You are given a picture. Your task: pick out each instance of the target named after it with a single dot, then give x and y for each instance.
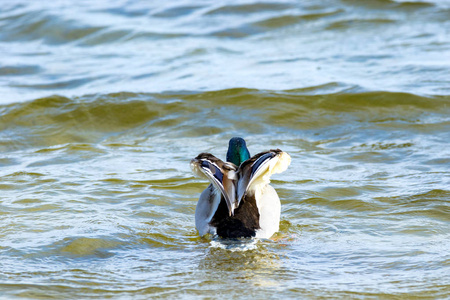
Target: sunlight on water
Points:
(234, 245)
(104, 104)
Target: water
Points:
(104, 104)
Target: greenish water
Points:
(102, 106)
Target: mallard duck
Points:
(239, 202)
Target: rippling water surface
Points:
(103, 104)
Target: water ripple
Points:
(96, 195)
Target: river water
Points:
(104, 103)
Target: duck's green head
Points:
(237, 151)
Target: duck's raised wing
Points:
(259, 168)
(221, 174)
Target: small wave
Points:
(392, 4)
(65, 84)
(52, 29)
(432, 205)
(249, 8)
(358, 23)
(234, 244)
(19, 70)
(288, 20)
(355, 205)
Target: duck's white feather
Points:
(269, 207)
(206, 208)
